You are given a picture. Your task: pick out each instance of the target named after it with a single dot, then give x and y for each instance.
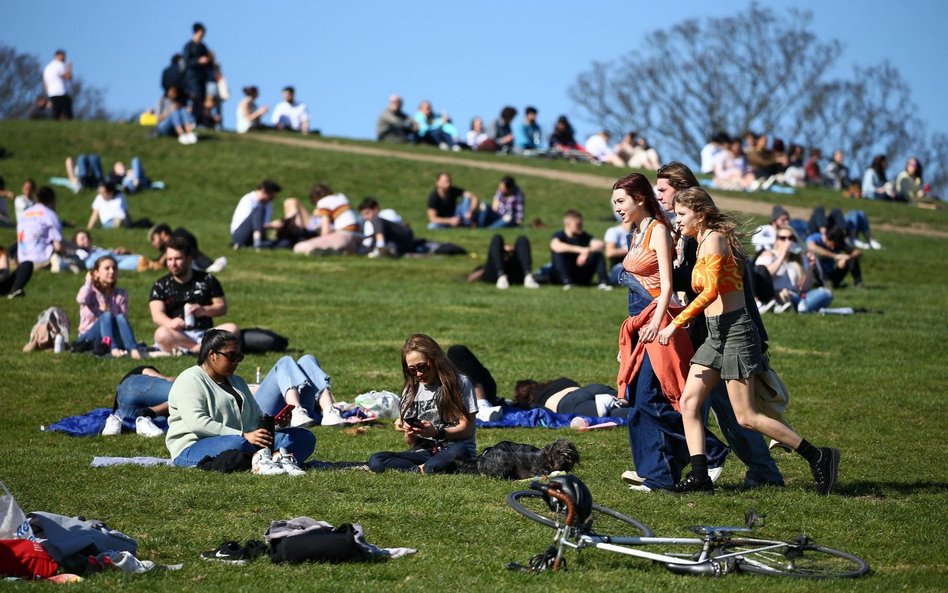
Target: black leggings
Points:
(582, 401)
(18, 279)
(515, 265)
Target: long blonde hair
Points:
(700, 202)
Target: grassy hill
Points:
(872, 384)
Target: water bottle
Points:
(59, 342)
(188, 316)
(258, 376)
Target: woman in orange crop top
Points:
(732, 349)
(649, 258)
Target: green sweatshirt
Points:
(199, 408)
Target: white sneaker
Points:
(300, 418)
(631, 478)
(192, 138)
(287, 463)
(766, 307)
(262, 464)
(113, 426)
(530, 282)
(640, 488)
(503, 283)
(782, 307)
(715, 472)
(860, 244)
(331, 417)
(145, 427)
(183, 139)
(605, 287)
(567, 286)
(875, 244)
(218, 266)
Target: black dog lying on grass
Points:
(516, 461)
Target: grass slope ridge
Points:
(873, 385)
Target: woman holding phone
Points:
(437, 411)
(211, 410)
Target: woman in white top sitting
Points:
(249, 116)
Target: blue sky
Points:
(468, 58)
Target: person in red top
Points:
(732, 350)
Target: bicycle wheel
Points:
(603, 521)
(800, 560)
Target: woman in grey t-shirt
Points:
(437, 412)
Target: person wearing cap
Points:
(251, 218)
(109, 208)
(766, 235)
(394, 125)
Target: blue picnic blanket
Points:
(541, 418)
(92, 423)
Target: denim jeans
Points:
(814, 300)
(138, 172)
(176, 119)
(857, 223)
(656, 432)
(139, 391)
(243, 235)
(115, 327)
(298, 441)
(489, 219)
(128, 262)
(89, 170)
(408, 461)
(305, 374)
(460, 211)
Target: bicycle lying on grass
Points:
(565, 505)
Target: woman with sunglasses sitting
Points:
(437, 411)
(792, 276)
(211, 410)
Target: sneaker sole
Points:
(632, 479)
(240, 562)
(834, 473)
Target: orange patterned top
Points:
(714, 274)
(642, 263)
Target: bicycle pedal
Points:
(517, 567)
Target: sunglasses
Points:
(232, 356)
(785, 238)
(419, 368)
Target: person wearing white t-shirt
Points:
(56, 80)
(39, 231)
(288, 114)
(597, 145)
(251, 218)
(616, 246)
(110, 208)
(26, 198)
(338, 225)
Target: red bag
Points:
(26, 559)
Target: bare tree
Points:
(754, 71)
(21, 82)
(749, 71)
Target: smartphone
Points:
(414, 422)
(283, 416)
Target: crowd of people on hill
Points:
(755, 163)
(680, 257)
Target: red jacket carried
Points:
(670, 363)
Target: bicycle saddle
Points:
(578, 492)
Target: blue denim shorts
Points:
(732, 347)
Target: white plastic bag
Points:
(383, 403)
(13, 523)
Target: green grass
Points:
(874, 385)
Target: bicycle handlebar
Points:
(554, 490)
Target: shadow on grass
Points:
(887, 489)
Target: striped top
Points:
(642, 263)
(337, 208)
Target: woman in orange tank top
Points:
(732, 349)
(649, 258)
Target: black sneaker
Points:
(229, 552)
(825, 470)
(692, 484)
